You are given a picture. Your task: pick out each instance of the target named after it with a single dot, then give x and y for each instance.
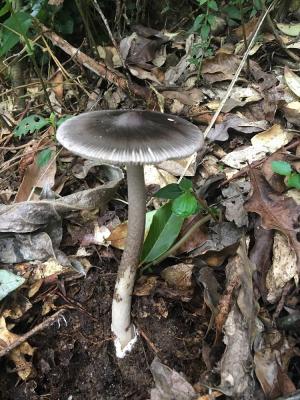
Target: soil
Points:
(75, 359)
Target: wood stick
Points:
(99, 68)
(45, 324)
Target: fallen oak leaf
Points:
(276, 211)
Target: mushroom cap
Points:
(129, 136)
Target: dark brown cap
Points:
(130, 136)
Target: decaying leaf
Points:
(169, 384)
(292, 80)
(272, 139)
(179, 275)
(38, 175)
(235, 124)
(17, 355)
(35, 229)
(240, 158)
(236, 378)
(220, 67)
(283, 268)
(234, 198)
(277, 211)
(292, 112)
(271, 361)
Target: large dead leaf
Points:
(220, 67)
(276, 211)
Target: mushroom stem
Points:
(123, 329)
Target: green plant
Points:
(234, 12)
(292, 178)
(34, 123)
(167, 221)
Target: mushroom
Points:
(133, 138)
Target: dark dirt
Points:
(75, 360)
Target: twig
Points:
(230, 87)
(45, 324)
(97, 67)
(98, 9)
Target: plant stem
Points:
(121, 307)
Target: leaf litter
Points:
(218, 316)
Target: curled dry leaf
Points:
(276, 211)
(292, 80)
(292, 112)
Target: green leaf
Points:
(232, 12)
(9, 282)
(211, 19)
(294, 181)
(201, 2)
(14, 28)
(186, 185)
(163, 232)
(204, 32)
(169, 192)
(197, 23)
(212, 4)
(185, 205)
(281, 167)
(5, 9)
(63, 119)
(44, 157)
(30, 124)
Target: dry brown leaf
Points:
(57, 83)
(220, 67)
(37, 176)
(17, 355)
(292, 112)
(292, 80)
(179, 275)
(277, 211)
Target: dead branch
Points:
(99, 68)
(45, 324)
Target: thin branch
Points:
(97, 7)
(99, 68)
(45, 324)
